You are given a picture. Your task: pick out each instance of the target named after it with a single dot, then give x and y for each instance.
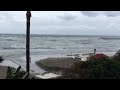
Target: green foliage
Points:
(95, 69)
(101, 69)
(117, 56)
(17, 74)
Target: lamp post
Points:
(28, 16)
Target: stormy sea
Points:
(13, 47)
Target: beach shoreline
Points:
(42, 70)
(35, 58)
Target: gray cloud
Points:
(59, 22)
(67, 16)
(112, 13)
(96, 13)
(90, 13)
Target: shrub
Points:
(1, 59)
(13, 73)
(116, 56)
(95, 69)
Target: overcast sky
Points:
(62, 22)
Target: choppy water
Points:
(12, 47)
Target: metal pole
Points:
(28, 16)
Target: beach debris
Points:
(90, 54)
(76, 56)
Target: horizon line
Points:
(60, 34)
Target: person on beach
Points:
(94, 51)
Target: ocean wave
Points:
(9, 39)
(85, 43)
(30, 48)
(110, 38)
(53, 40)
(12, 48)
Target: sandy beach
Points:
(34, 58)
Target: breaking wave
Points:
(30, 48)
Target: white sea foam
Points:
(12, 48)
